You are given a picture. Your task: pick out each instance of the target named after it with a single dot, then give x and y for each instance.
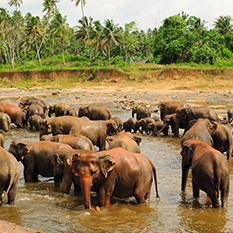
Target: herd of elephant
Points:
(76, 151)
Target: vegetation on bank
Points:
(49, 43)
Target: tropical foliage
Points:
(180, 39)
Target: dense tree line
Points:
(180, 39)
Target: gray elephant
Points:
(141, 111)
(95, 112)
(96, 131)
(2, 140)
(9, 176)
(36, 156)
(126, 141)
(5, 121)
(58, 109)
(223, 139)
(76, 142)
(35, 121)
(210, 170)
(129, 125)
(142, 125)
(71, 111)
(119, 123)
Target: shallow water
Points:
(38, 207)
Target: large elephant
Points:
(141, 111)
(16, 114)
(2, 140)
(36, 156)
(129, 125)
(95, 112)
(96, 131)
(115, 172)
(223, 139)
(142, 125)
(9, 176)
(169, 107)
(200, 131)
(5, 121)
(210, 170)
(126, 141)
(58, 125)
(76, 142)
(58, 109)
(188, 113)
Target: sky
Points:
(146, 13)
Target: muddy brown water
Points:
(38, 207)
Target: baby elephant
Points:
(210, 170)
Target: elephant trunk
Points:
(185, 170)
(86, 183)
(164, 126)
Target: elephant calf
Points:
(210, 170)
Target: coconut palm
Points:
(15, 3)
(60, 28)
(111, 35)
(223, 24)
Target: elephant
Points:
(9, 176)
(157, 127)
(210, 170)
(115, 172)
(188, 113)
(76, 142)
(156, 118)
(63, 175)
(125, 140)
(58, 109)
(142, 125)
(129, 125)
(71, 111)
(36, 156)
(35, 121)
(222, 137)
(141, 111)
(59, 125)
(5, 121)
(169, 107)
(95, 112)
(230, 115)
(119, 123)
(33, 100)
(2, 140)
(200, 131)
(18, 117)
(96, 131)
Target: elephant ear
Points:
(106, 164)
(23, 149)
(187, 154)
(212, 127)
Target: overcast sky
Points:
(147, 13)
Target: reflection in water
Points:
(39, 207)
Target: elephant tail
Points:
(155, 178)
(9, 186)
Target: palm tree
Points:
(195, 23)
(15, 3)
(34, 29)
(223, 24)
(60, 28)
(111, 34)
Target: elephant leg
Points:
(104, 197)
(77, 189)
(165, 131)
(212, 194)
(11, 195)
(102, 143)
(224, 192)
(196, 190)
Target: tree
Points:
(60, 28)
(15, 3)
(223, 24)
(111, 35)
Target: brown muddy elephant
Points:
(33, 100)
(76, 142)
(5, 121)
(18, 117)
(156, 128)
(210, 171)
(188, 113)
(223, 139)
(141, 111)
(115, 172)
(59, 125)
(142, 125)
(35, 121)
(9, 176)
(119, 123)
(71, 111)
(96, 131)
(200, 130)
(36, 156)
(95, 112)
(58, 109)
(125, 140)
(129, 125)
